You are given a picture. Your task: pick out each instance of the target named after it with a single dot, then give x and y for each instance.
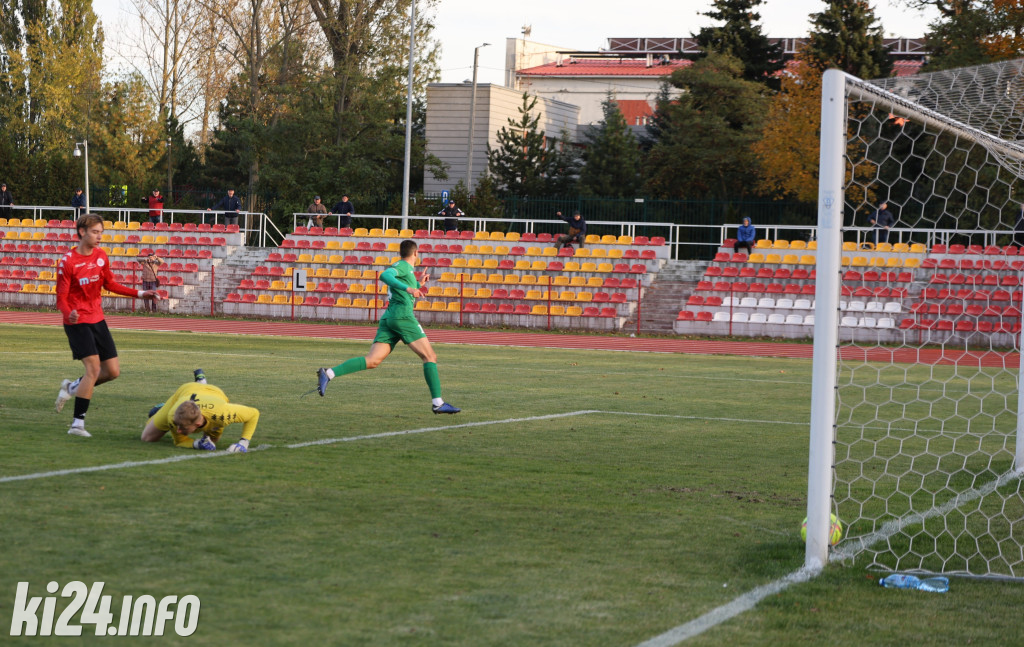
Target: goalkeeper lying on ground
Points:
(198, 406)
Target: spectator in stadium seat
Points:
(318, 211)
(81, 276)
(398, 324)
(198, 406)
(155, 202)
(577, 230)
(882, 221)
(451, 215)
(345, 211)
(78, 202)
(1018, 227)
(745, 236)
(230, 205)
(6, 201)
(150, 281)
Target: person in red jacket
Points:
(81, 275)
(155, 202)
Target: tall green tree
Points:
(740, 36)
(704, 146)
(612, 157)
(522, 162)
(848, 36)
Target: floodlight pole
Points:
(472, 122)
(85, 147)
(408, 116)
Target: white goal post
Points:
(916, 427)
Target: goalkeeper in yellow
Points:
(398, 324)
(200, 407)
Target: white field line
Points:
(849, 550)
(325, 441)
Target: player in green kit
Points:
(398, 324)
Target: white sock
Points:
(73, 387)
(437, 401)
(330, 373)
(77, 422)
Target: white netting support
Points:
(926, 432)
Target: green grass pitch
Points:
(681, 489)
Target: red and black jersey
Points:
(79, 282)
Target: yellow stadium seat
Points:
(27, 235)
(845, 260)
(812, 245)
(438, 306)
(120, 225)
(501, 249)
(574, 311)
(798, 244)
(305, 258)
(566, 295)
(435, 291)
(780, 244)
(148, 239)
(264, 298)
(625, 240)
(609, 240)
(901, 248)
(528, 279)
(763, 244)
(343, 302)
(447, 277)
(360, 302)
(918, 248)
(543, 280)
(280, 299)
(376, 232)
(582, 251)
(512, 237)
(406, 233)
(533, 251)
(468, 293)
(572, 266)
(534, 295)
(161, 240)
(585, 296)
(893, 261)
(592, 239)
(511, 279)
(131, 251)
(480, 235)
(322, 273)
(486, 249)
(471, 249)
(369, 275)
(598, 253)
(773, 258)
(497, 235)
(450, 292)
(38, 235)
(337, 273)
(523, 264)
(561, 280)
(539, 310)
(335, 259)
(333, 245)
(576, 281)
(883, 247)
(107, 224)
(347, 246)
(278, 285)
(422, 305)
(588, 267)
(14, 222)
(355, 288)
(483, 293)
(394, 248)
(557, 311)
(478, 277)
(133, 226)
(390, 233)
(592, 282)
(361, 231)
(28, 287)
(859, 261)
(912, 263)
(808, 259)
(453, 306)
(790, 259)
(614, 253)
(550, 251)
(458, 262)
(538, 266)
(474, 263)
(849, 246)
(117, 251)
(756, 258)
(877, 261)
(354, 273)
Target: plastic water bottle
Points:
(929, 584)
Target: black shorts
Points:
(90, 339)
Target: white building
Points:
(447, 130)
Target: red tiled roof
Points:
(635, 110)
(599, 67)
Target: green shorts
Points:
(394, 329)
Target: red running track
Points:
(535, 339)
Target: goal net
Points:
(916, 431)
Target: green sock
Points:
(353, 365)
(433, 379)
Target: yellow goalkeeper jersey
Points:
(214, 406)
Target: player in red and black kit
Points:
(81, 275)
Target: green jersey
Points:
(398, 278)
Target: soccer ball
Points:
(834, 536)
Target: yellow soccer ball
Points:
(835, 533)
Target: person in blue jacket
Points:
(744, 237)
(230, 205)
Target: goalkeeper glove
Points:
(240, 447)
(204, 443)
